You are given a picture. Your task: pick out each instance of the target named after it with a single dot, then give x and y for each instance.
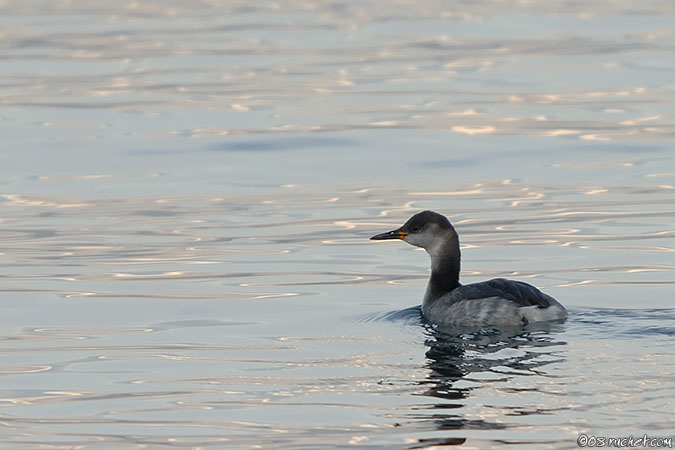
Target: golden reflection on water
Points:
(436, 70)
(21, 369)
(500, 214)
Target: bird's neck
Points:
(445, 265)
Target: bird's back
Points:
(494, 302)
(522, 294)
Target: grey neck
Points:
(445, 266)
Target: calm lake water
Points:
(187, 192)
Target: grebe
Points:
(447, 302)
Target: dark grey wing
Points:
(516, 291)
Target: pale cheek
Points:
(415, 240)
(410, 240)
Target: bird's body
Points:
(497, 302)
(493, 302)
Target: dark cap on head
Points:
(415, 224)
(420, 220)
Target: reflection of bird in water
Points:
(455, 352)
(480, 359)
(496, 302)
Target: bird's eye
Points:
(415, 229)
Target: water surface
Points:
(187, 193)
